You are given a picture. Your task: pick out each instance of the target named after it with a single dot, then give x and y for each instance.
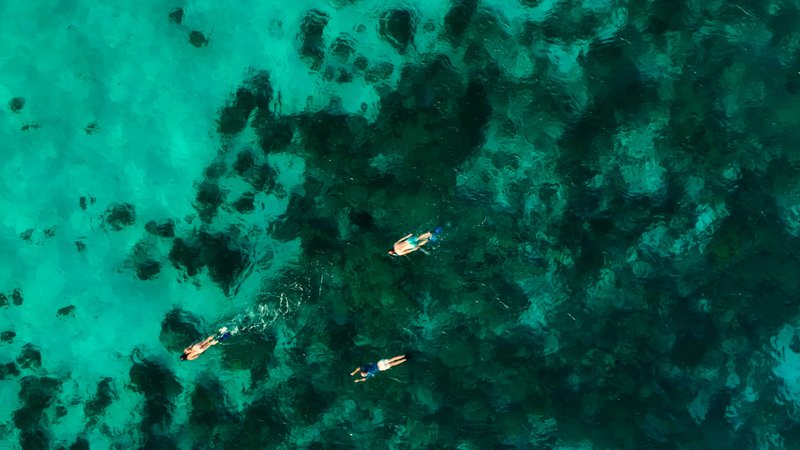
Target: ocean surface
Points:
(617, 186)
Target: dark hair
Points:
(184, 356)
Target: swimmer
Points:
(193, 352)
(371, 370)
(410, 243)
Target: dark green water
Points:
(619, 195)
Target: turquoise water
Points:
(617, 186)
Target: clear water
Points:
(617, 186)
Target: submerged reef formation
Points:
(619, 196)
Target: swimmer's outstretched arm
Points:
(358, 369)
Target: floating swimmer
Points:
(371, 370)
(413, 243)
(194, 351)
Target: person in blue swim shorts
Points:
(370, 370)
(194, 351)
(413, 243)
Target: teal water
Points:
(617, 185)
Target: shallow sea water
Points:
(617, 186)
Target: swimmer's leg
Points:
(396, 363)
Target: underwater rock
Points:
(343, 48)
(16, 297)
(198, 39)
(66, 311)
(92, 128)
(308, 402)
(179, 329)
(35, 439)
(458, 18)
(244, 162)
(176, 15)
(362, 220)
(379, 72)
(275, 135)
(344, 76)
(252, 357)
(26, 235)
(208, 200)
(474, 112)
(3, 300)
(16, 104)
(224, 260)
(164, 228)
(215, 170)
(256, 93)
(83, 204)
(334, 141)
(8, 369)
(260, 86)
(692, 345)
(120, 215)
(141, 260)
(36, 394)
(80, 444)
(361, 63)
(160, 387)
(209, 411)
(186, 255)
(262, 178)
(312, 46)
(263, 425)
(80, 246)
(318, 235)
(233, 118)
(154, 438)
(148, 269)
(397, 27)
(29, 357)
(502, 160)
(7, 336)
(245, 204)
(102, 399)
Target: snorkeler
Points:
(412, 243)
(194, 351)
(371, 370)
